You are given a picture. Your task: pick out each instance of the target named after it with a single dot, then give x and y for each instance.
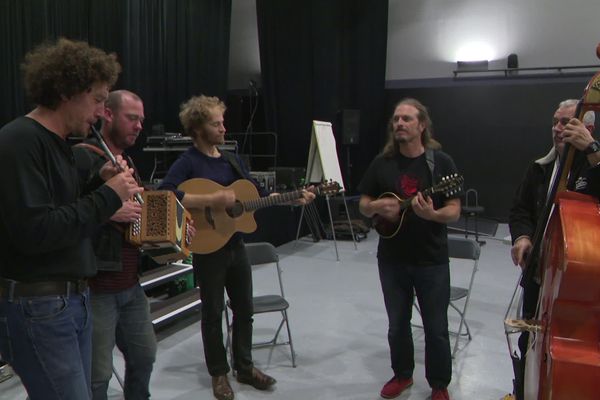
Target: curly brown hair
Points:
(66, 68)
(196, 111)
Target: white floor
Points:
(339, 327)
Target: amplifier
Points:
(289, 178)
(266, 179)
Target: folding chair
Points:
(472, 209)
(261, 254)
(466, 249)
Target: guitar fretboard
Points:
(252, 205)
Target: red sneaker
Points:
(394, 387)
(440, 394)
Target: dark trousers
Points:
(226, 269)
(431, 284)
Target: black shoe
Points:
(256, 378)
(221, 388)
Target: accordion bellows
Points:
(162, 231)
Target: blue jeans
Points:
(122, 318)
(47, 341)
(226, 269)
(431, 284)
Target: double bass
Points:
(563, 359)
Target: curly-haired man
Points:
(45, 225)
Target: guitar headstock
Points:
(449, 185)
(327, 188)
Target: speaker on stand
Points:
(349, 125)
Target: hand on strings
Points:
(131, 211)
(520, 251)
(223, 199)
(577, 135)
(387, 207)
(423, 206)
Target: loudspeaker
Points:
(512, 61)
(350, 126)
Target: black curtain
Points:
(169, 49)
(317, 59)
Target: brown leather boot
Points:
(221, 388)
(256, 378)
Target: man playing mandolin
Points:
(227, 267)
(414, 260)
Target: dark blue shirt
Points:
(194, 164)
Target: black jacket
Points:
(108, 238)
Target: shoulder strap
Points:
(234, 163)
(92, 148)
(429, 156)
(101, 153)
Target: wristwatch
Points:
(592, 148)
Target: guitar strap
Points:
(95, 149)
(98, 151)
(232, 159)
(429, 156)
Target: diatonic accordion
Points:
(161, 232)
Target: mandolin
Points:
(387, 229)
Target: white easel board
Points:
(323, 161)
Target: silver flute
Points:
(112, 158)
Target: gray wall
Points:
(425, 36)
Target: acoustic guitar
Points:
(214, 227)
(387, 229)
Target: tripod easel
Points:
(321, 168)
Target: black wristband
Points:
(592, 148)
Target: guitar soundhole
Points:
(236, 210)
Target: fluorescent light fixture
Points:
(466, 66)
(475, 51)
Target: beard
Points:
(211, 140)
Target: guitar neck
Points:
(406, 203)
(262, 202)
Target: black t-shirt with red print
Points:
(419, 242)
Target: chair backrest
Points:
(474, 195)
(265, 253)
(459, 247)
(261, 253)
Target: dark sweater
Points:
(45, 225)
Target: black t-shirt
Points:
(419, 242)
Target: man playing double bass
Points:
(532, 195)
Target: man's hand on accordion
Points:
(191, 230)
(131, 211)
